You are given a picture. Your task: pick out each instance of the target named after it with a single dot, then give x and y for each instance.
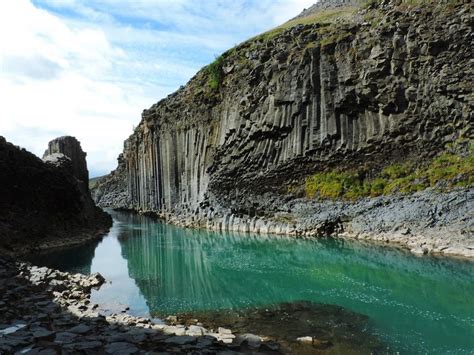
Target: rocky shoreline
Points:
(427, 222)
(45, 311)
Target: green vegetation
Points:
(93, 182)
(336, 37)
(215, 73)
(325, 16)
(370, 3)
(447, 170)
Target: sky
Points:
(89, 68)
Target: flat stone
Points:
(253, 341)
(181, 340)
(85, 345)
(224, 330)
(43, 334)
(65, 337)
(174, 330)
(121, 348)
(195, 330)
(12, 329)
(80, 329)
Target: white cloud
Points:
(88, 69)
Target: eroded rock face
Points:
(43, 203)
(71, 148)
(111, 190)
(297, 104)
(314, 97)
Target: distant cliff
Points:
(43, 203)
(340, 88)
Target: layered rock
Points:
(43, 203)
(369, 92)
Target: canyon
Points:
(345, 88)
(343, 131)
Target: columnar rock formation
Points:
(43, 203)
(375, 90)
(71, 148)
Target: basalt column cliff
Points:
(340, 88)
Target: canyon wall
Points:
(390, 82)
(43, 203)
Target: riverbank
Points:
(427, 222)
(47, 311)
(54, 243)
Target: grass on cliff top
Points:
(214, 70)
(93, 181)
(447, 170)
(324, 16)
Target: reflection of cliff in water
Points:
(169, 265)
(74, 259)
(178, 269)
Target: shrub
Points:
(215, 73)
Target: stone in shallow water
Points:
(306, 340)
(328, 326)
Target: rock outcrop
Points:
(43, 203)
(111, 190)
(70, 147)
(389, 84)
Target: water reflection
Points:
(71, 259)
(417, 304)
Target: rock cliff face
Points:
(43, 203)
(71, 148)
(388, 84)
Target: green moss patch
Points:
(447, 170)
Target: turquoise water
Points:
(416, 305)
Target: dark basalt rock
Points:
(71, 148)
(43, 203)
(311, 98)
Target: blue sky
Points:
(89, 68)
